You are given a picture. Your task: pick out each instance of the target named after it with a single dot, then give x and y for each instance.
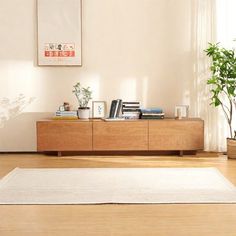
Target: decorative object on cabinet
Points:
(152, 113)
(83, 95)
(99, 109)
(115, 109)
(131, 110)
(181, 111)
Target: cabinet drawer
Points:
(64, 136)
(176, 135)
(120, 135)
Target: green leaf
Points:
(217, 102)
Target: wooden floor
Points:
(104, 220)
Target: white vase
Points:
(83, 113)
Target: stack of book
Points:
(66, 115)
(152, 113)
(131, 110)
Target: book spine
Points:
(152, 117)
(131, 113)
(129, 107)
(65, 118)
(153, 114)
(66, 114)
(154, 110)
(130, 110)
(113, 109)
(118, 107)
(131, 118)
(127, 103)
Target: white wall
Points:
(132, 49)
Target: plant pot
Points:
(231, 148)
(83, 112)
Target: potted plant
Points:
(223, 87)
(83, 96)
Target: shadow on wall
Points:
(12, 108)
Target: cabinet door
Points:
(176, 135)
(64, 135)
(120, 135)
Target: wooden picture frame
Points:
(99, 109)
(59, 32)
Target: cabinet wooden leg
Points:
(181, 153)
(59, 154)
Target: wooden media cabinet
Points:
(131, 135)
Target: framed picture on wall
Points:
(99, 109)
(59, 33)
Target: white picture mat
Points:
(184, 110)
(59, 22)
(99, 109)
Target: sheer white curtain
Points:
(226, 27)
(226, 22)
(204, 31)
(214, 21)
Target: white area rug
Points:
(116, 185)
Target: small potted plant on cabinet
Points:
(223, 87)
(83, 95)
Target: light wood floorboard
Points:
(106, 220)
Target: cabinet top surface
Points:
(113, 121)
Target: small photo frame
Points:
(181, 111)
(99, 109)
